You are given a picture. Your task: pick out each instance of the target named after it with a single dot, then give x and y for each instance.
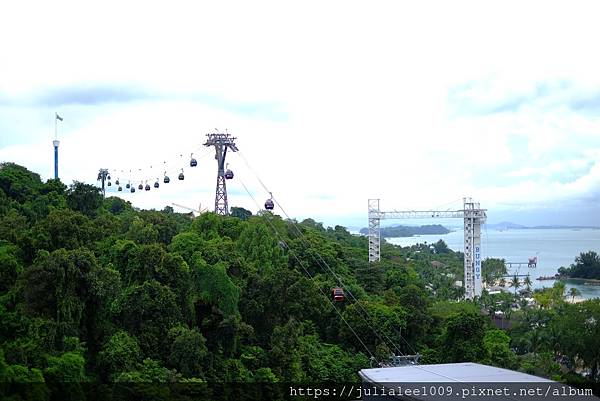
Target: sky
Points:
(418, 104)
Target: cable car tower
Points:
(473, 217)
(221, 142)
(103, 175)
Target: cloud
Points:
(332, 103)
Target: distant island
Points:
(506, 225)
(409, 231)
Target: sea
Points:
(554, 247)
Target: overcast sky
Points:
(417, 103)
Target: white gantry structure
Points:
(473, 217)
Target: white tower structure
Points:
(473, 217)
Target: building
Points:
(460, 381)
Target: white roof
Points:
(448, 372)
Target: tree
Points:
(462, 340)
(574, 292)
(493, 269)
(496, 345)
(515, 282)
(120, 354)
(528, 283)
(10, 266)
(241, 213)
(84, 198)
(19, 183)
(187, 350)
(587, 265)
(441, 247)
(148, 311)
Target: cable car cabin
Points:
(132, 189)
(108, 177)
(337, 294)
(127, 186)
(193, 162)
(117, 182)
(140, 187)
(147, 187)
(156, 184)
(120, 189)
(181, 177)
(229, 174)
(269, 205)
(109, 184)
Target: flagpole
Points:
(56, 143)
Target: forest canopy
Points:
(93, 289)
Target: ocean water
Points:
(553, 247)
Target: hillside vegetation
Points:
(94, 290)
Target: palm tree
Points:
(527, 283)
(574, 292)
(502, 282)
(515, 283)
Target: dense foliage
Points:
(92, 289)
(587, 265)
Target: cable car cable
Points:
(309, 275)
(335, 275)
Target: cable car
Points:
(269, 205)
(117, 182)
(132, 189)
(228, 173)
(108, 177)
(128, 185)
(193, 162)
(337, 294)
(140, 187)
(181, 177)
(147, 187)
(156, 184)
(120, 189)
(109, 184)
(166, 179)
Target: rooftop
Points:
(448, 372)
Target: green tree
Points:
(462, 340)
(10, 266)
(496, 346)
(528, 283)
(120, 354)
(574, 292)
(187, 350)
(84, 198)
(148, 311)
(516, 283)
(241, 213)
(492, 270)
(19, 183)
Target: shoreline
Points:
(584, 280)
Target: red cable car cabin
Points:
(337, 294)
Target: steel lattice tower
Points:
(102, 176)
(473, 217)
(221, 142)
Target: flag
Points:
(58, 117)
